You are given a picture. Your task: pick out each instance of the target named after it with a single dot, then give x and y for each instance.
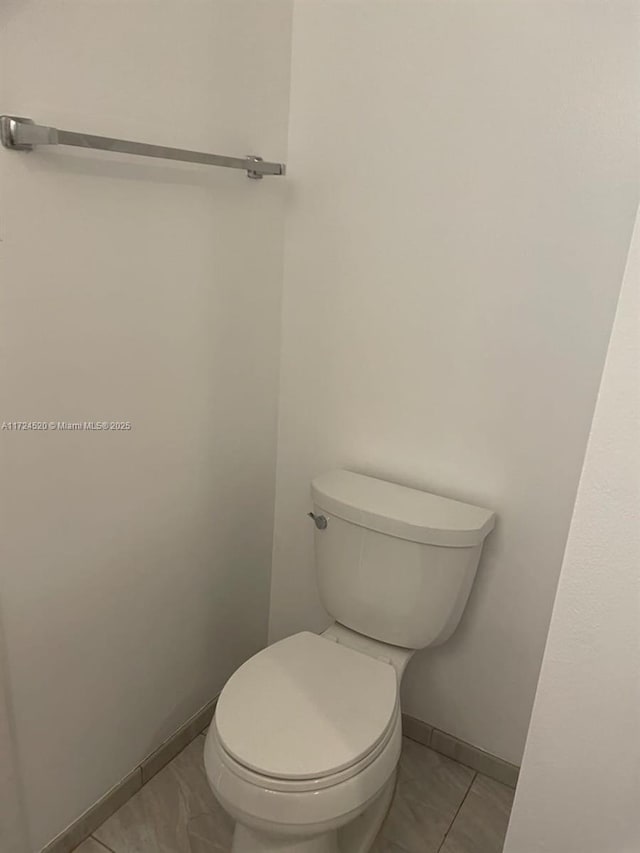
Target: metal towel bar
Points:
(23, 134)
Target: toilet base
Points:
(359, 835)
(355, 837)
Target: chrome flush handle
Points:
(320, 520)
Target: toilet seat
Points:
(296, 786)
(271, 805)
(306, 713)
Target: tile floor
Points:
(440, 806)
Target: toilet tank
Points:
(394, 563)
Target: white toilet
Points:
(303, 748)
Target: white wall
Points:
(13, 828)
(580, 780)
(461, 204)
(135, 565)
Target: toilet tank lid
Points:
(400, 511)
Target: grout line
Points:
(459, 809)
(102, 844)
(461, 751)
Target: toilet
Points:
(303, 748)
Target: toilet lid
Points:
(306, 707)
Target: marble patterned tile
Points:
(383, 845)
(429, 792)
(481, 824)
(92, 846)
(477, 759)
(175, 812)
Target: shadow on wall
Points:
(13, 824)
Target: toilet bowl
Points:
(294, 779)
(303, 748)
